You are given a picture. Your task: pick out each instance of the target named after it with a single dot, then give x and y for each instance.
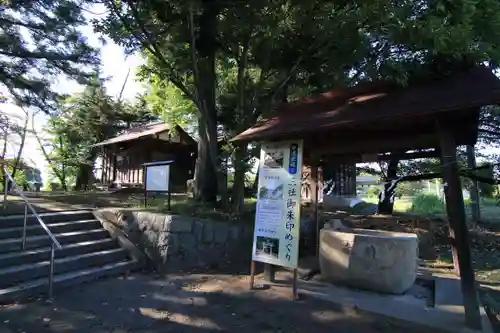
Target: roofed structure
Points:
(153, 130)
(348, 120)
(384, 120)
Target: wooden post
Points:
(294, 285)
(458, 228)
(474, 192)
(252, 275)
(269, 272)
(314, 206)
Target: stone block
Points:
(187, 241)
(174, 242)
(208, 232)
(163, 239)
(381, 261)
(157, 222)
(208, 255)
(198, 230)
(221, 231)
(234, 233)
(179, 224)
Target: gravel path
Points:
(183, 303)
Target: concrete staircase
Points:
(88, 252)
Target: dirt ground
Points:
(184, 303)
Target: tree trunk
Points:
(21, 147)
(240, 168)
(60, 175)
(474, 191)
(84, 174)
(205, 181)
(4, 152)
(255, 185)
(206, 47)
(83, 177)
(386, 199)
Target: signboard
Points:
(277, 219)
(157, 178)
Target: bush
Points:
(372, 192)
(427, 204)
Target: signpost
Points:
(277, 218)
(157, 179)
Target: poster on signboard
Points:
(157, 178)
(277, 218)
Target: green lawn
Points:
(490, 209)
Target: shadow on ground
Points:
(183, 303)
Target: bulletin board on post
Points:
(157, 179)
(277, 217)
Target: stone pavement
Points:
(184, 303)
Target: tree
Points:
(40, 40)
(168, 102)
(83, 120)
(235, 60)
(10, 128)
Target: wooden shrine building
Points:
(373, 121)
(123, 155)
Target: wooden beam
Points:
(379, 157)
(345, 147)
(458, 228)
(314, 207)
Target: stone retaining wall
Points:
(170, 241)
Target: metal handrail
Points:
(54, 242)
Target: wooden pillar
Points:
(458, 229)
(474, 192)
(314, 206)
(103, 166)
(353, 180)
(115, 171)
(269, 272)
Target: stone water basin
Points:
(375, 260)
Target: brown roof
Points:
(376, 103)
(143, 131)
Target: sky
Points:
(114, 65)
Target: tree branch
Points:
(149, 44)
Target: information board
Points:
(157, 178)
(277, 218)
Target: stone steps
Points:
(88, 252)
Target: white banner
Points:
(277, 219)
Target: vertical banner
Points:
(277, 219)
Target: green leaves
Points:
(39, 41)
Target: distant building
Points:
(123, 156)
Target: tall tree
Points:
(84, 119)
(233, 59)
(40, 40)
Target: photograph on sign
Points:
(157, 178)
(267, 247)
(273, 159)
(277, 218)
(272, 189)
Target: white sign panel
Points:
(157, 177)
(277, 219)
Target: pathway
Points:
(183, 303)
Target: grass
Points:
(400, 205)
(187, 207)
(490, 210)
